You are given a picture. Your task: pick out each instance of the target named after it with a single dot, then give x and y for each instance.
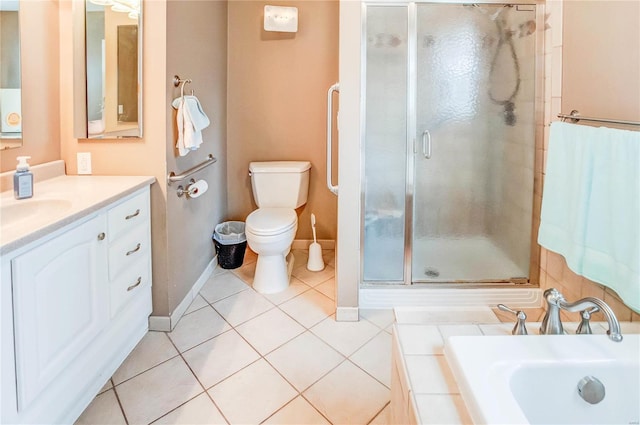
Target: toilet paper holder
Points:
(189, 191)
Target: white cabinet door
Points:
(61, 302)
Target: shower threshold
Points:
(440, 295)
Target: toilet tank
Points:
(280, 184)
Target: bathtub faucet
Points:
(552, 325)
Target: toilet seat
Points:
(271, 221)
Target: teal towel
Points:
(590, 205)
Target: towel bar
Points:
(172, 177)
(574, 117)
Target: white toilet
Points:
(279, 187)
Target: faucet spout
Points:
(584, 303)
(552, 325)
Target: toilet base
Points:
(272, 273)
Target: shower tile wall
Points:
(513, 148)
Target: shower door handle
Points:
(426, 144)
(333, 88)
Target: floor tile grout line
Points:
(124, 415)
(357, 348)
(378, 413)
(361, 368)
(201, 385)
(147, 369)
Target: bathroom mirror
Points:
(10, 81)
(112, 70)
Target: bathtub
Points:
(533, 379)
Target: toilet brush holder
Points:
(315, 262)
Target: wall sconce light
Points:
(281, 19)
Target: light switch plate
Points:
(84, 162)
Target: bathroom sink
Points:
(12, 213)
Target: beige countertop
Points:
(57, 202)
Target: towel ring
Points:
(177, 81)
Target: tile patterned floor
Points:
(239, 357)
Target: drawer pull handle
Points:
(133, 215)
(136, 249)
(101, 236)
(138, 282)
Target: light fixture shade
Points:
(281, 19)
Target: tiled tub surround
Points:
(423, 389)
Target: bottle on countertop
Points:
(23, 179)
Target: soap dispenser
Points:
(23, 179)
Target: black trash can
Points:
(230, 242)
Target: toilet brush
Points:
(315, 263)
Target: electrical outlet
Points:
(84, 162)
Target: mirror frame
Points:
(7, 142)
(80, 116)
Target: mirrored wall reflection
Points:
(10, 81)
(113, 68)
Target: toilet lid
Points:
(270, 221)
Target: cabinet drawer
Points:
(130, 283)
(125, 216)
(127, 250)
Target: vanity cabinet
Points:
(59, 293)
(74, 305)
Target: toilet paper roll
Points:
(197, 189)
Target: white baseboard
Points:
(166, 324)
(424, 297)
(347, 314)
(304, 243)
(160, 323)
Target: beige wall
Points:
(196, 49)
(277, 102)
(598, 73)
(603, 79)
(40, 90)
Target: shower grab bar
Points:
(332, 89)
(574, 117)
(426, 144)
(172, 177)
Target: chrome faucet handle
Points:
(520, 328)
(584, 328)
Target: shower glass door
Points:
(474, 129)
(449, 142)
(385, 153)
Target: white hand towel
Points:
(190, 120)
(591, 205)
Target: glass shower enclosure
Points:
(449, 142)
